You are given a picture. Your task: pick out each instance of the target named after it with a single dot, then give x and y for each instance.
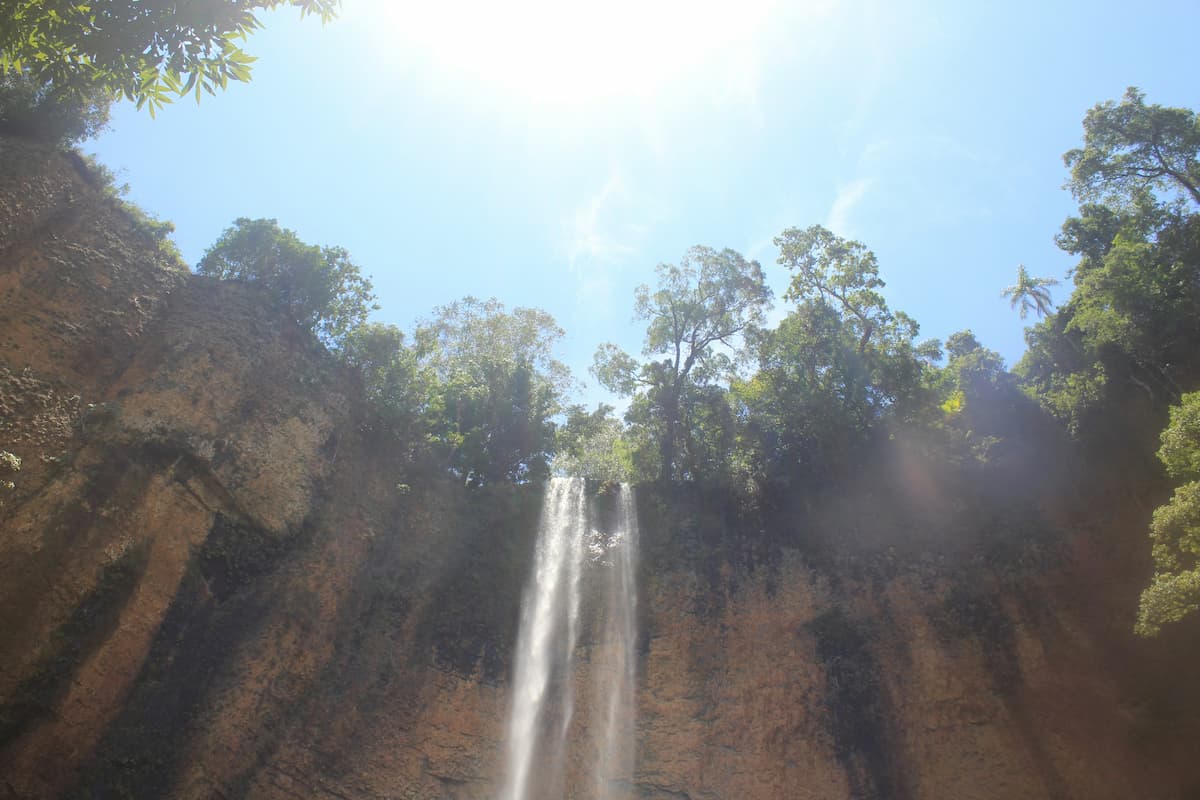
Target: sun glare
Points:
(557, 51)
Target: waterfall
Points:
(543, 694)
(615, 694)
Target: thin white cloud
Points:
(594, 234)
(601, 235)
(848, 198)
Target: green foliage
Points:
(1030, 294)
(985, 412)
(710, 298)
(495, 386)
(9, 463)
(33, 109)
(1175, 527)
(477, 388)
(811, 400)
(157, 230)
(1124, 344)
(841, 272)
(844, 275)
(1130, 147)
(399, 390)
(319, 286)
(595, 445)
(1180, 451)
(836, 367)
(1174, 592)
(1055, 370)
(1134, 317)
(147, 52)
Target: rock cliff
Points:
(217, 581)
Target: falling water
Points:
(615, 695)
(543, 701)
(546, 638)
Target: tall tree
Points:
(496, 386)
(320, 287)
(710, 298)
(1130, 146)
(840, 271)
(144, 50)
(1029, 293)
(837, 365)
(1130, 326)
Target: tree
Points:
(400, 391)
(809, 404)
(840, 271)
(1030, 293)
(1128, 331)
(1130, 147)
(320, 287)
(594, 445)
(496, 385)
(1174, 592)
(37, 110)
(709, 298)
(143, 50)
(837, 366)
(844, 274)
(985, 413)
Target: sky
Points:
(550, 154)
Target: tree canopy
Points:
(836, 366)
(320, 287)
(1174, 591)
(145, 50)
(35, 109)
(1132, 322)
(1129, 147)
(495, 386)
(1122, 349)
(710, 298)
(595, 445)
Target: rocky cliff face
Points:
(217, 581)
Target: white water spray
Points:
(543, 698)
(615, 694)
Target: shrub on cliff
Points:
(1175, 529)
(34, 109)
(8, 463)
(320, 287)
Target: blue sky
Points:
(551, 155)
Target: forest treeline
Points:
(717, 396)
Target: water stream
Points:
(543, 696)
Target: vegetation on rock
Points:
(320, 287)
(1175, 529)
(38, 110)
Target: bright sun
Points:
(559, 51)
